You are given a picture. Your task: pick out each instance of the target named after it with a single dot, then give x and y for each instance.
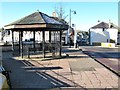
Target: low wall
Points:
(108, 44)
(6, 48)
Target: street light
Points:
(89, 36)
(74, 12)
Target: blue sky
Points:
(88, 13)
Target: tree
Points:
(60, 12)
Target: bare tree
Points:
(60, 11)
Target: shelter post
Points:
(21, 43)
(49, 36)
(13, 41)
(43, 43)
(60, 42)
(34, 40)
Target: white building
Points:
(103, 33)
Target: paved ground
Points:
(107, 56)
(73, 72)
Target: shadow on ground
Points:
(31, 77)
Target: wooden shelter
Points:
(34, 22)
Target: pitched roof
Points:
(36, 18)
(101, 25)
(61, 20)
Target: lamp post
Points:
(89, 37)
(75, 37)
(74, 12)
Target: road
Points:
(108, 57)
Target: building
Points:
(49, 29)
(6, 35)
(103, 33)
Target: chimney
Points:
(54, 14)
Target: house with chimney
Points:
(103, 33)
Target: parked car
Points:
(84, 40)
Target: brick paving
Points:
(77, 71)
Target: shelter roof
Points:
(37, 20)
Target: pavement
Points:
(77, 71)
(108, 57)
